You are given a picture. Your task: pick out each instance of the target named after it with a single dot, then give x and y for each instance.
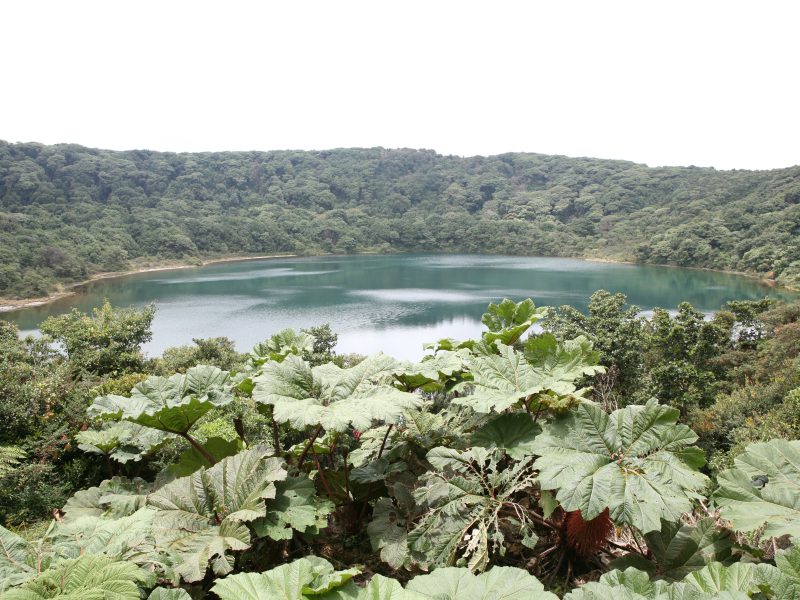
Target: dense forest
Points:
(67, 211)
(591, 456)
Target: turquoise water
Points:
(392, 303)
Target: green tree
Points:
(107, 341)
(617, 332)
(683, 353)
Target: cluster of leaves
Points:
(733, 375)
(484, 470)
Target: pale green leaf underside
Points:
(432, 371)
(169, 594)
(309, 577)
(713, 582)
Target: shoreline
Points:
(9, 305)
(763, 280)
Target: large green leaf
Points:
(636, 462)
(508, 321)
(85, 578)
(17, 559)
(632, 584)
(200, 517)
(417, 432)
(433, 372)
(101, 441)
(562, 361)
(763, 489)
(126, 538)
(450, 345)
(309, 577)
(713, 582)
(678, 549)
(330, 396)
(388, 533)
(169, 594)
(122, 441)
(512, 432)
(116, 497)
(508, 378)
(783, 580)
(191, 459)
(378, 588)
(714, 578)
(498, 583)
(129, 537)
(296, 507)
(172, 404)
(280, 345)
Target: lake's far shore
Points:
(10, 305)
(764, 280)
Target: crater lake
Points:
(393, 303)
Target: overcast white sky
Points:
(662, 82)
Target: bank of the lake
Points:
(11, 304)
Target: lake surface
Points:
(392, 303)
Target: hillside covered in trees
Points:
(67, 211)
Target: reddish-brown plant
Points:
(586, 538)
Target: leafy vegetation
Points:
(524, 464)
(67, 211)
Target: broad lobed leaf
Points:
(172, 404)
(629, 462)
(763, 489)
(335, 398)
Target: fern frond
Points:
(10, 457)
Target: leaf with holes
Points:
(466, 504)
